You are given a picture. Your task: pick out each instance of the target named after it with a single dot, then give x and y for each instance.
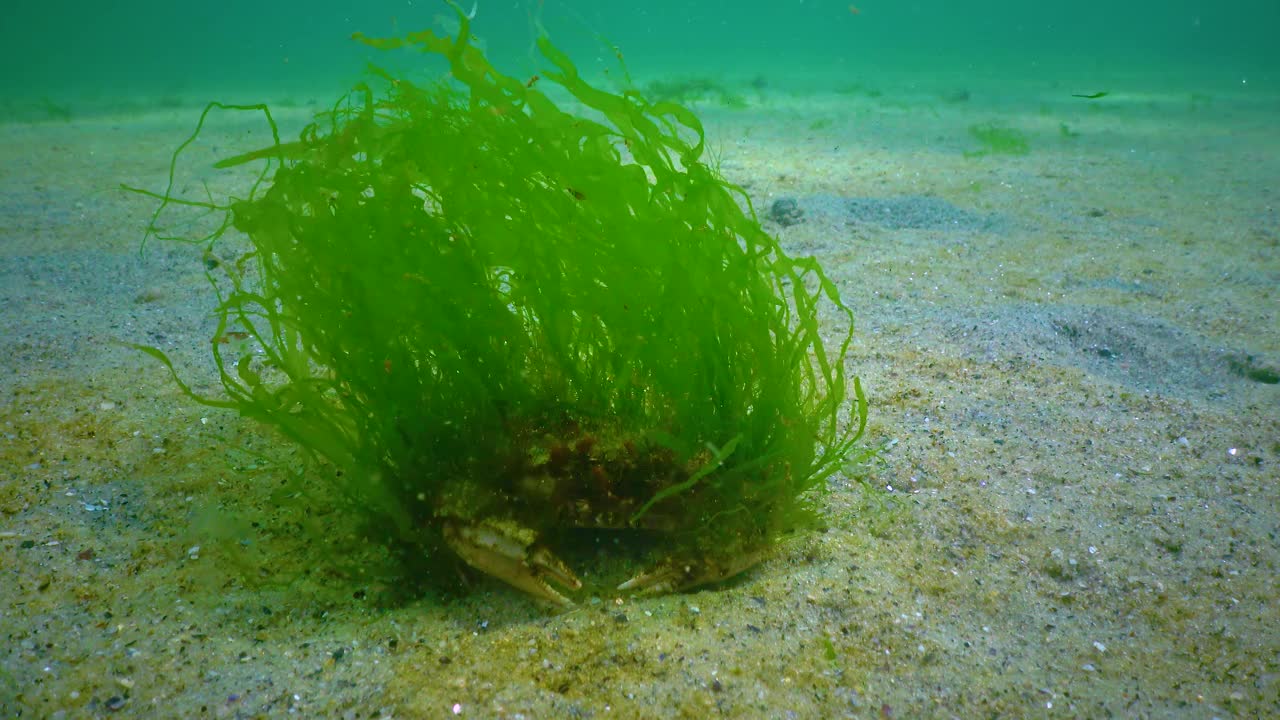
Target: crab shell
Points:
(586, 483)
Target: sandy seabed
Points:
(1071, 355)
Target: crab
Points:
(577, 480)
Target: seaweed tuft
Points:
(453, 289)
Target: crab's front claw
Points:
(675, 575)
(510, 553)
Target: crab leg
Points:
(508, 552)
(672, 575)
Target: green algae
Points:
(448, 286)
(996, 139)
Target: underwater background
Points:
(95, 52)
(1057, 227)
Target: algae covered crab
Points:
(575, 479)
(495, 319)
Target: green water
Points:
(74, 52)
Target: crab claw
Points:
(508, 552)
(673, 575)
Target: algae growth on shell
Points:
(498, 319)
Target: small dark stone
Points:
(786, 212)
(115, 702)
